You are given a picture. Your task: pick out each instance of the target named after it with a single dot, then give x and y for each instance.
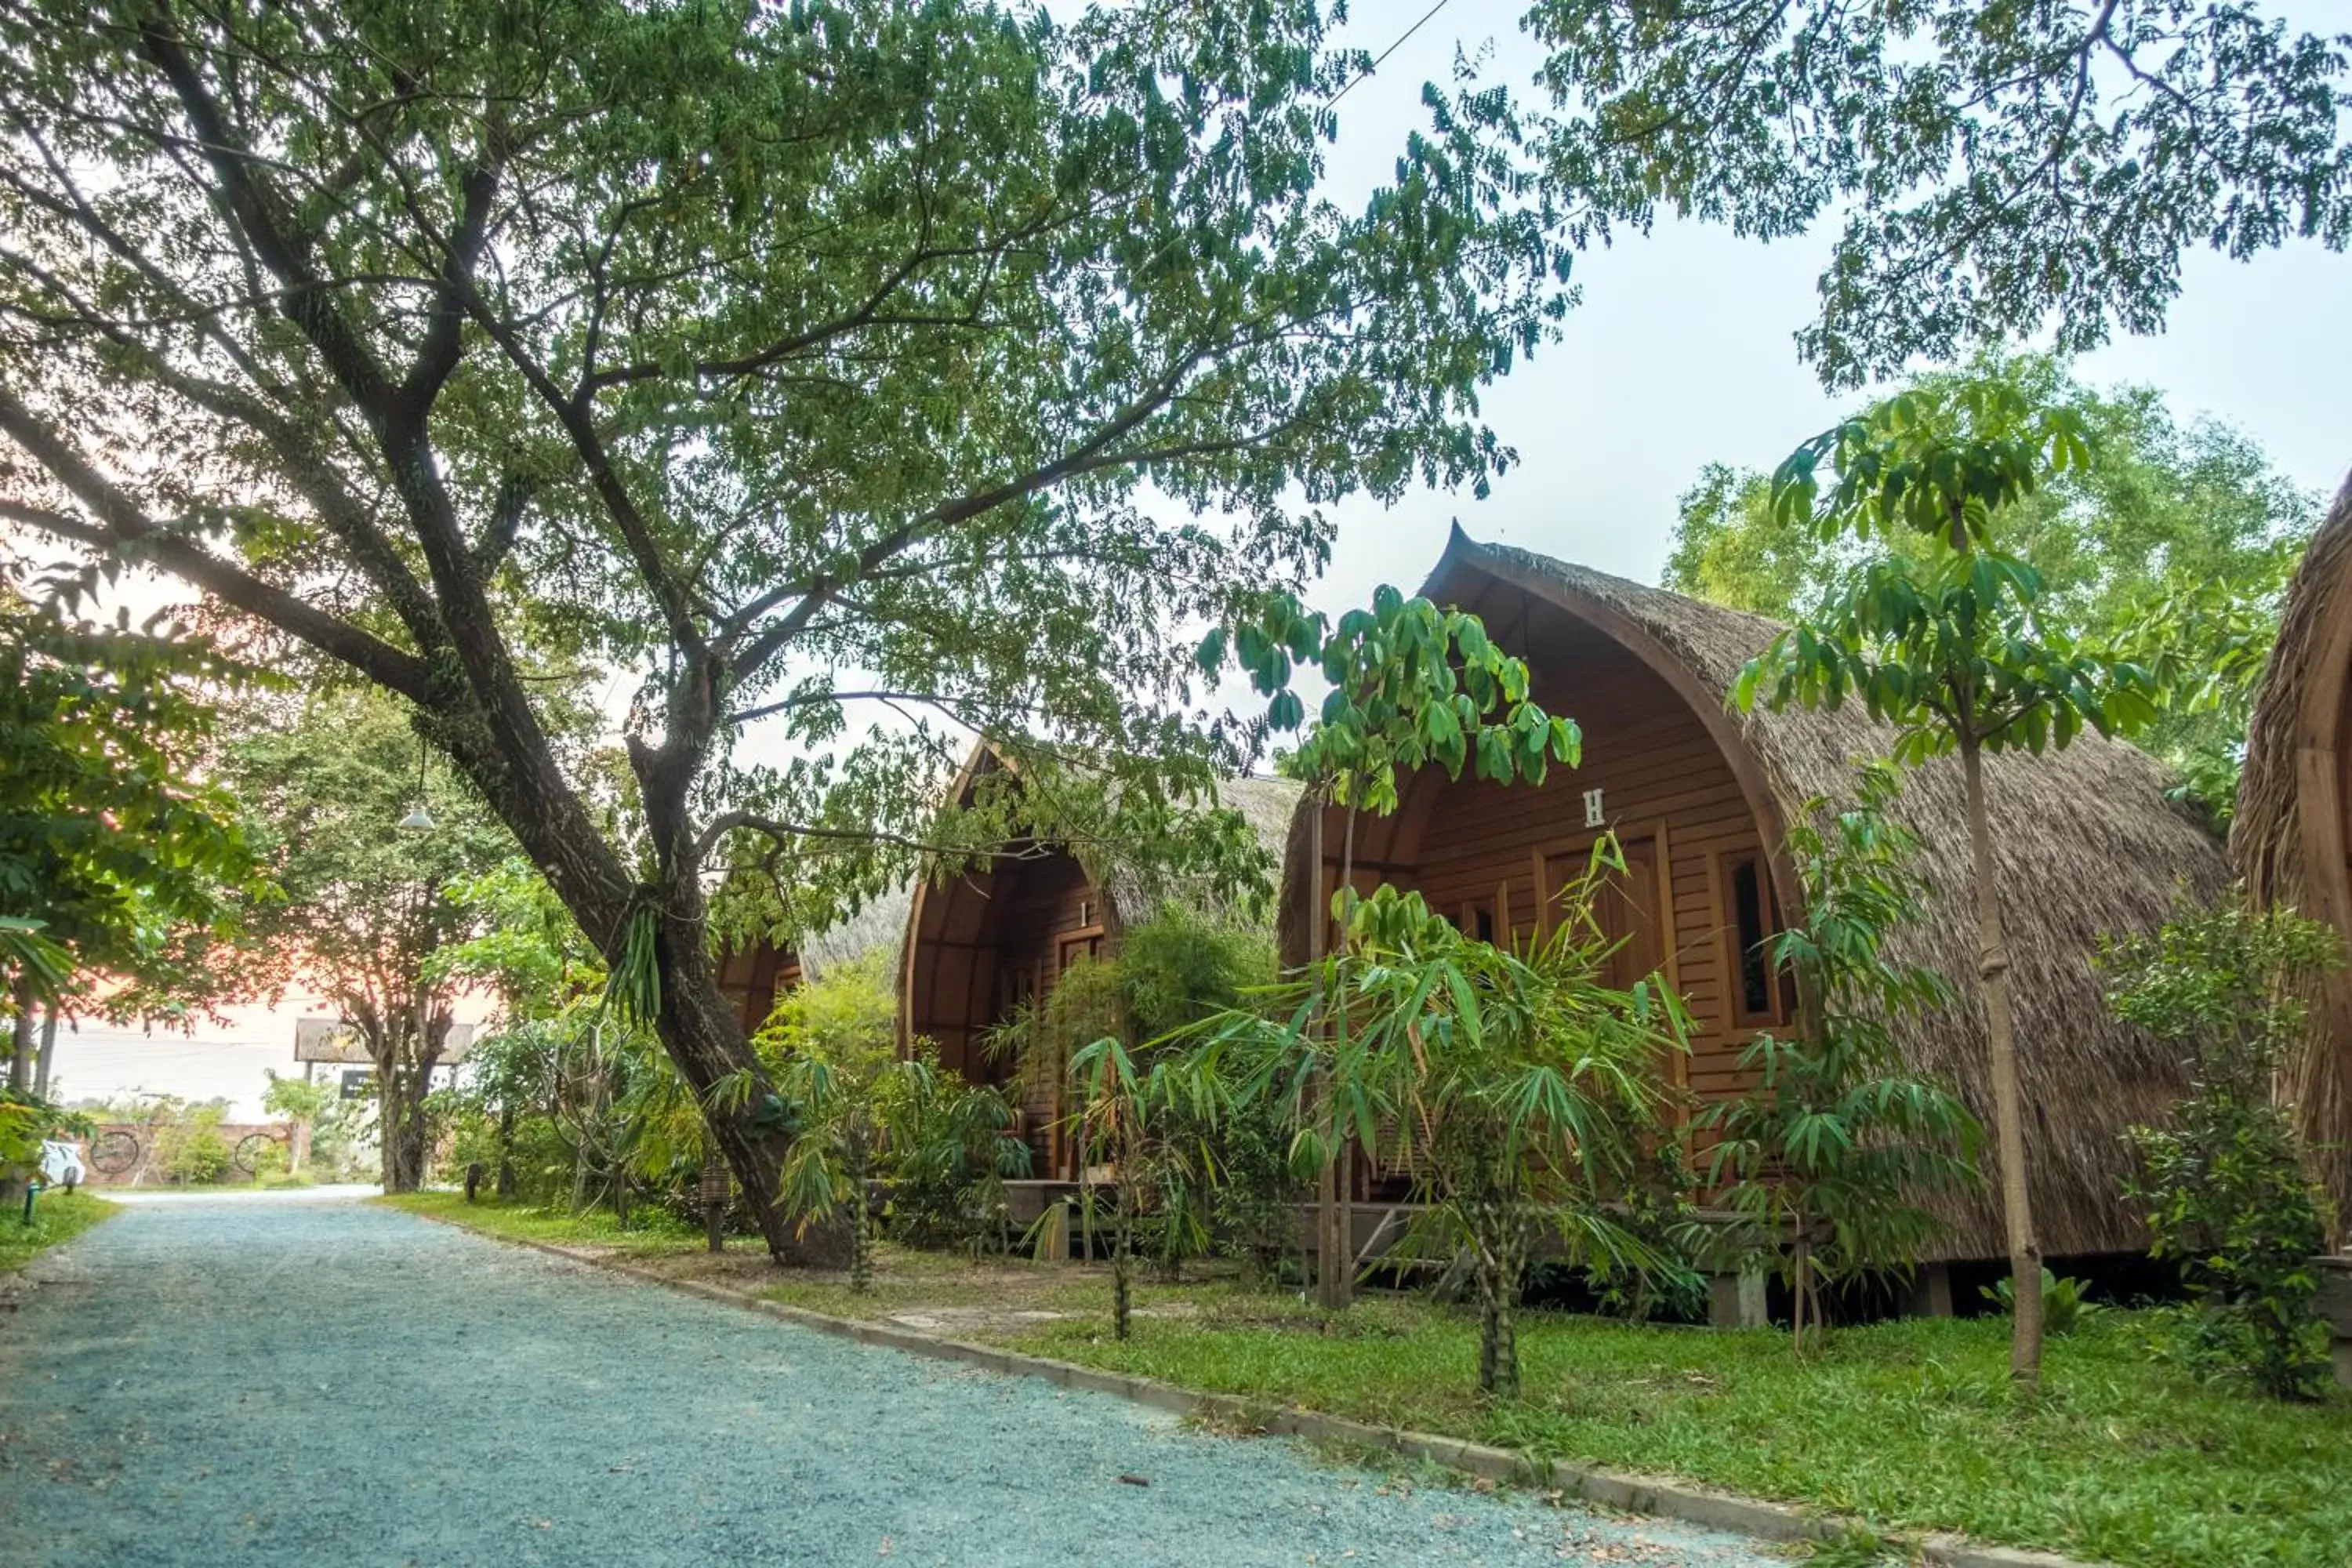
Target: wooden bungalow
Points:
(988, 942)
(1700, 798)
(752, 978)
(2292, 836)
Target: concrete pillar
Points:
(1737, 1301)
(2336, 1309)
(1931, 1292)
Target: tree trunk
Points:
(20, 1068)
(20, 1057)
(1122, 1267)
(861, 1226)
(299, 1139)
(717, 1190)
(1498, 1292)
(401, 1096)
(48, 1054)
(704, 1037)
(2008, 1109)
(508, 757)
(1804, 1308)
(506, 1185)
(1334, 1255)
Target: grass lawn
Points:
(2128, 1459)
(652, 1232)
(57, 1216)
(1908, 1424)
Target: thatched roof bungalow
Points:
(756, 976)
(982, 944)
(1700, 799)
(752, 978)
(2292, 836)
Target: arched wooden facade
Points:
(2292, 836)
(752, 978)
(982, 944)
(1699, 799)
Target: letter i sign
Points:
(1593, 816)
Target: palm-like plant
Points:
(829, 1166)
(897, 1119)
(1113, 1125)
(948, 1147)
(1519, 1087)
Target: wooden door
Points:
(1074, 948)
(1056, 1150)
(1627, 908)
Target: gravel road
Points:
(337, 1384)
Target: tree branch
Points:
(1084, 459)
(309, 303)
(124, 528)
(729, 822)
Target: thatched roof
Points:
(2087, 844)
(2290, 836)
(1266, 805)
(879, 925)
(1131, 895)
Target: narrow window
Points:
(1763, 997)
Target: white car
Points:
(61, 1165)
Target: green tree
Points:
(191, 1149)
(117, 870)
(1118, 1103)
(1410, 685)
(1828, 1161)
(302, 1101)
(814, 364)
(1520, 1086)
(326, 783)
(2224, 1185)
(1997, 170)
(2175, 540)
(1948, 646)
(527, 951)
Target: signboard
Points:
(332, 1040)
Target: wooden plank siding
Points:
(754, 978)
(981, 946)
(1479, 851)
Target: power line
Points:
(1383, 57)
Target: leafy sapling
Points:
(1940, 636)
(2224, 1185)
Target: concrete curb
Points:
(1628, 1493)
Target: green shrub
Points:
(1203, 1185)
(2065, 1302)
(1660, 1279)
(2224, 1188)
(190, 1149)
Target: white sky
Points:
(1681, 353)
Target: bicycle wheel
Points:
(113, 1152)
